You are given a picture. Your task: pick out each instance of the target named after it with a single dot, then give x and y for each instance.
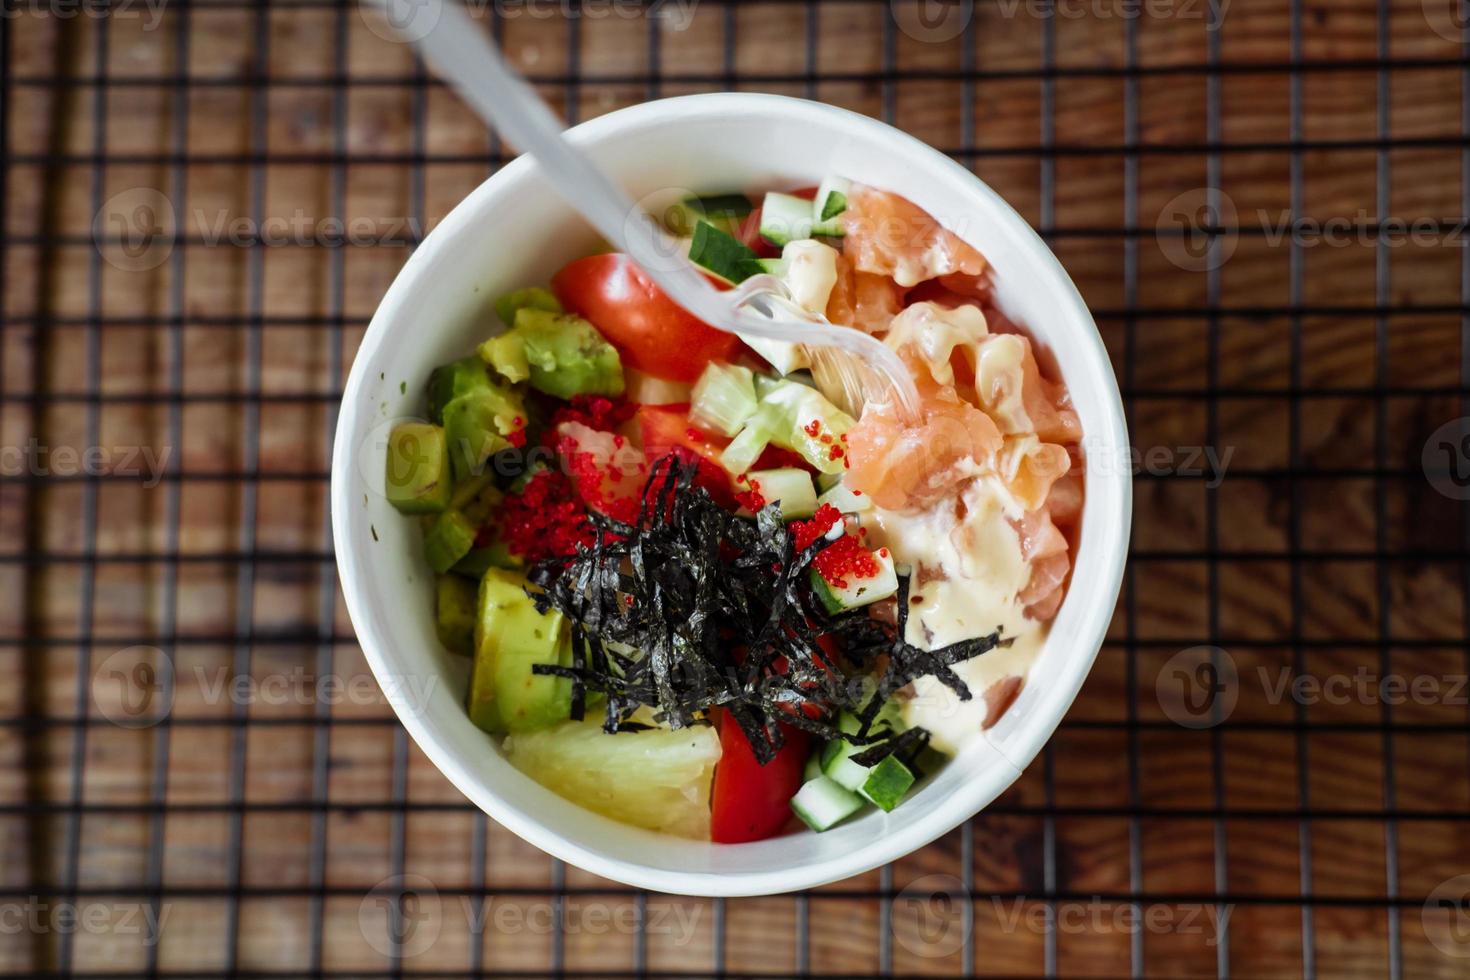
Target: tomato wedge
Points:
(666, 429)
(652, 333)
(751, 801)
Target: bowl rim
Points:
(949, 812)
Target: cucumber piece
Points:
(658, 779)
(831, 199)
(723, 399)
(416, 477)
(785, 218)
(454, 601)
(722, 254)
(846, 500)
(449, 381)
(886, 784)
(837, 762)
(511, 636)
(773, 267)
(789, 486)
(811, 426)
(813, 766)
(742, 452)
(821, 803)
(725, 211)
(532, 297)
(826, 481)
(448, 540)
(857, 591)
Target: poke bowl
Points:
(513, 682)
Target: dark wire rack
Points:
(1124, 810)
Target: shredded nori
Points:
(692, 608)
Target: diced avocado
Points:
(448, 539)
(560, 354)
(532, 297)
(455, 600)
(477, 424)
(506, 353)
(510, 636)
(497, 554)
(449, 381)
(416, 478)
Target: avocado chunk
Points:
(449, 381)
(532, 297)
(477, 425)
(557, 353)
(447, 540)
(510, 636)
(455, 607)
(416, 478)
(497, 554)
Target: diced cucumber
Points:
(532, 297)
(724, 211)
(742, 452)
(773, 267)
(811, 426)
(785, 218)
(722, 253)
(658, 779)
(449, 381)
(723, 399)
(845, 499)
(790, 486)
(887, 783)
(455, 608)
(448, 539)
(826, 481)
(813, 766)
(821, 803)
(766, 383)
(831, 199)
(857, 591)
(837, 762)
(417, 478)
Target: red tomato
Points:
(666, 429)
(652, 332)
(751, 801)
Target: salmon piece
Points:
(999, 697)
(889, 236)
(1045, 402)
(908, 467)
(863, 300)
(1064, 503)
(1037, 471)
(1045, 547)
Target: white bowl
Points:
(512, 231)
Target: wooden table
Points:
(263, 827)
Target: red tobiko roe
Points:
(818, 524)
(844, 557)
(545, 519)
(593, 411)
